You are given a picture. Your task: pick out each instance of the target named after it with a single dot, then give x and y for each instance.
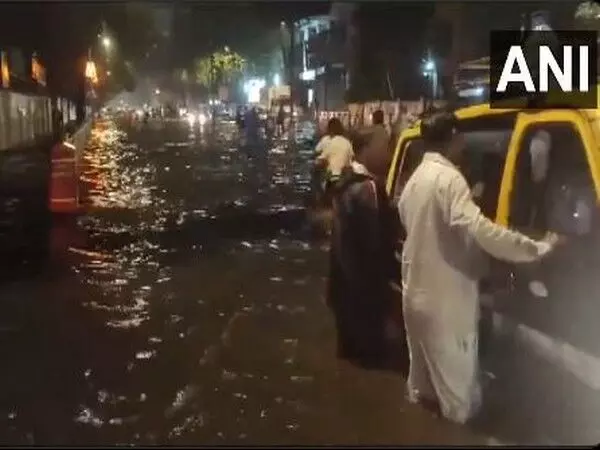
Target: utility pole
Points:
(325, 85)
(211, 82)
(292, 61)
(289, 60)
(430, 72)
(211, 90)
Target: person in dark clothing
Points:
(362, 264)
(239, 118)
(280, 121)
(57, 122)
(374, 147)
(252, 123)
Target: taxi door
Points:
(401, 164)
(551, 183)
(407, 156)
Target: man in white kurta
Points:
(334, 150)
(441, 266)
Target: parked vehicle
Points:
(555, 298)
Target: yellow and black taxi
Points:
(535, 189)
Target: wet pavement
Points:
(188, 308)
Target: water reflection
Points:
(190, 310)
(181, 259)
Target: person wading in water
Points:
(334, 152)
(375, 150)
(362, 264)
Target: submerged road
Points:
(186, 307)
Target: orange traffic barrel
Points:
(64, 182)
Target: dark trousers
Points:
(360, 327)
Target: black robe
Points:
(362, 263)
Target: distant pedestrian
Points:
(239, 118)
(57, 123)
(280, 121)
(375, 147)
(334, 153)
(252, 127)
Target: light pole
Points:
(211, 90)
(430, 72)
(289, 60)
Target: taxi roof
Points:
(475, 111)
(485, 110)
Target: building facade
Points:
(323, 57)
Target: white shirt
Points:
(337, 151)
(445, 232)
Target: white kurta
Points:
(337, 151)
(441, 265)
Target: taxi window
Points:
(483, 164)
(412, 156)
(553, 182)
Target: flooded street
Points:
(188, 308)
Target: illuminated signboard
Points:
(90, 72)
(4, 70)
(38, 72)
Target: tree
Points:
(265, 53)
(587, 15)
(219, 68)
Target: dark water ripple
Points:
(186, 307)
(187, 239)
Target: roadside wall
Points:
(24, 119)
(27, 136)
(397, 113)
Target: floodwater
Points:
(186, 307)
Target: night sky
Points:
(392, 34)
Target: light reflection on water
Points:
(192, 311)
(189, 246)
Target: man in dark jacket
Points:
(362, 263)
(374, 149)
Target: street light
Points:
(157, 91)
(252, 89)
(430, 71)
(106, 42)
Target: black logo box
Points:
(516, 96)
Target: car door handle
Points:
(538, 289)
(500, 280)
